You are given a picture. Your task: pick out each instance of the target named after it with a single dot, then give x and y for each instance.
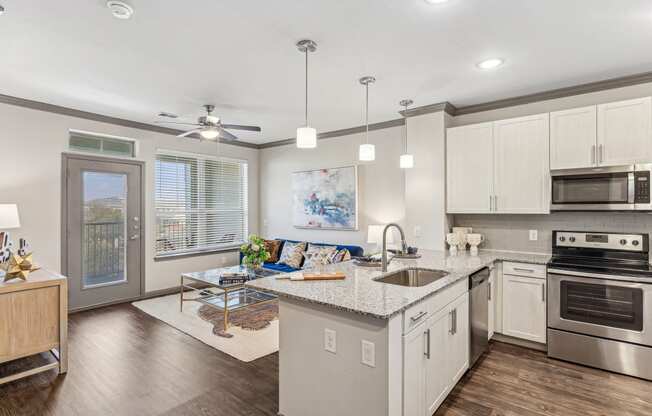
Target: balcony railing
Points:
(103, 248)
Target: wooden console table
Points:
(33, 320)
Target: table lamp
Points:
(375, 236)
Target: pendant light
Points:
(406, 160)
(367, 151)
(306, 135)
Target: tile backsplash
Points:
(511, 232)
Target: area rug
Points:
(252, 333)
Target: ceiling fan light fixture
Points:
(306, 138)
(209, 133)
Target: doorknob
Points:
(134, 237)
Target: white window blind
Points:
(201, 203)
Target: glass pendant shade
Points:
(407, 161)
(367, 152)
(209, 134)
(306, 138)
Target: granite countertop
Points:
(360, 293)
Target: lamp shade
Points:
(407, 161)
(210, 133)
(375, 235)
(367, 152)
(306, 138)
(9, 216)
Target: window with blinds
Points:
(201, 203)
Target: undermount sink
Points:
(413, 277)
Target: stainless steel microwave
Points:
(615, 188)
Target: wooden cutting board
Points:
(323, 276)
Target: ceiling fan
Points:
(210, 127)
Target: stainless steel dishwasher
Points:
(478, 314)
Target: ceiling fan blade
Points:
(188, 133)
(175, 122)
(226, 135)
(239, 127)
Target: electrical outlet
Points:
(534, 235)
(330, 340)
(417, 231)
(368, 353)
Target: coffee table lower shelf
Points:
(225, 299)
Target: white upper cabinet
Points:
(625, 132)
(521, 165)
(469, 168)
(573, 135)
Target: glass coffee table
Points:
(223, 294)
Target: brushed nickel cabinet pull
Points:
(418, 316)
(427, 334)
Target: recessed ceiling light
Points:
(491, 63)
(435, 1)
(120, 10)
(2, 10)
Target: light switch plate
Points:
(534, 235)
(330, 340)
(368, 353)
(417, 231)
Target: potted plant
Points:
(254, 253)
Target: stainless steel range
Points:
(600, 301)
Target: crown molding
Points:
(607, 84)
(430, 108)
(56, 109)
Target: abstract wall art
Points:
(326, 198)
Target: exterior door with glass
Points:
(103, 230)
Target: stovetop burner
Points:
(605, 253)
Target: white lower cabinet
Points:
(436, 356)
(524, 307)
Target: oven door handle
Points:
(623, 281)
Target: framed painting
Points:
(326, 198)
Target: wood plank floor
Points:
(124, 362)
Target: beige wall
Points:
(31, 144)
(381, 184)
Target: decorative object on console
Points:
(461, 236)
(326, 198)
(19, 267)
(367, 150)
(9, 219)
(453, 241)
(292, 254)
(254, 252)
(23, 247)
(474, 241)
(406, 161)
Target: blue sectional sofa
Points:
(356, 251)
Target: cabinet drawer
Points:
(415, 315)
(420, 312)
(524, 269)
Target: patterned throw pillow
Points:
(341, 255)
(272, 247)
(292, 254)
(318, 255)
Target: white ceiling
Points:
(240, 55)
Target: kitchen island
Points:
(362, 347)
